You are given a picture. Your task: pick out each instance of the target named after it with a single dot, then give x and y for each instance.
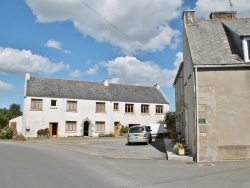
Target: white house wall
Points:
(86, 110)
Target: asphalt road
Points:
(67, 164)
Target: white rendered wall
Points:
(86, 110)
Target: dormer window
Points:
(246, 49)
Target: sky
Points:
(128, 42)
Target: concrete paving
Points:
(114, 147)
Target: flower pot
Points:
(181, 151)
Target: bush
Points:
(19, 137)
(43, 132)
(6, 133)
(124, 129)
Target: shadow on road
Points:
(158, 143)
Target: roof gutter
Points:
(222, 66)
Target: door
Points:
(116, 128)
(13, 125)
(86, 128)
(53, 127)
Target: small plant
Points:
(179, 145)
(19, 137)
(124, 129)
(106, 135)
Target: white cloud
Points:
(53, 44)
(178, 60)
(57, 45)
(14, 61)
(205, 7)
(77, 73)
(5, 87)
(130, 70)
(145, 22)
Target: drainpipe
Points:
(196, 117)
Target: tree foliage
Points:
(7, 114)
(170, 120)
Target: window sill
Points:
(72, 111)
(53, 107)
(36, 110)
(70, 131)
(145, 113)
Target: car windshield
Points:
(136, 130)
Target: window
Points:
(129, 108)
(246, 49)
(159, 109)
(100, 107)
(100, 126)
(248, 42)
(36, 104)
(116, 106)
(53, 102)
(71, 106)
(144, 108)
(70, 126)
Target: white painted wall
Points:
(86, 109)
(18, 121)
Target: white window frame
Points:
(246, 48)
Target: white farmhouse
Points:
(83, 108)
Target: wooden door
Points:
(116, 129)
(50, 129)
(13, 125)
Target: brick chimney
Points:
(223, 15)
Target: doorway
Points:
(86, 128)
(116, 128)
(53, 128)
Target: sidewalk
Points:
(173, 154)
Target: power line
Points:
(120, 31)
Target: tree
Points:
(15, 110)
(7, 114)
(170, 120)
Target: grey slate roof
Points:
(241, 26)
(75, 89)
(210, 44)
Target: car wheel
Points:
(129, 143)
(150, 139)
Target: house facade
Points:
(82, 108)
(216, 75)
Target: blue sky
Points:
(130, 42)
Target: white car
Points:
(139, 133)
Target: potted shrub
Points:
(180, 146)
